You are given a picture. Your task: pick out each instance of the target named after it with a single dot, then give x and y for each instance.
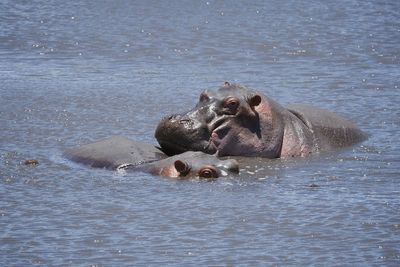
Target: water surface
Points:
(75, 71)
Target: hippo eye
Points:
(232, 104)
(208, 172)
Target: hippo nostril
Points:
(183, 121)
(172, 117)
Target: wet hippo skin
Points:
(113, 151)
(237, 121)
(119, 153)
(190, 164)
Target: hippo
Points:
(238, 121)
(114, 151)
(189, 164)
(120, 153)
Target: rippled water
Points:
(75, 71)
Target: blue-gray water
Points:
(75, 71)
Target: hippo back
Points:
(114, 151)
(330, 130)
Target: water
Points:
(75, 71)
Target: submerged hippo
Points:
(189, 164)
(238, 121)
(118, 152)
(114, 151)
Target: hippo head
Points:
(230, 121)
(195, 164)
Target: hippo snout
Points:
(168, 132)
(178, 133)
(175, 118)
(171, 118)
(179, 119)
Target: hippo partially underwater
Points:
(118, 153)
(237, 121)
(231, 121)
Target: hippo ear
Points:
(182, 167)
(204, 96)
(254, 100)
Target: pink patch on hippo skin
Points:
(289, 151)
(213, 142)
(215, 139)
(296, 140)
(169, 171)
(263, 108)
